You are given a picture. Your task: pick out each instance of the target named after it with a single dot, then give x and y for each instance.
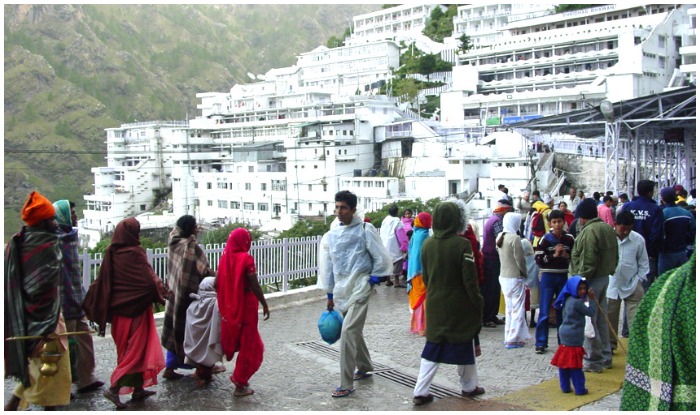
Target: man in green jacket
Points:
(453, 305)
(594, 257)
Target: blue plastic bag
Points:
(329, 325)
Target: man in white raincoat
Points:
(350, 252)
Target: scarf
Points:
(62, 208)
(126, 285)
(32, 302)
(660, 373)
(188, 265)
(570, 289)
(421, 232)
(234, 267)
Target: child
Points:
(202, 333)
(569, 355)
(552, 254)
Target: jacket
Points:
(595, 251)
(648, 222)
(678, 229)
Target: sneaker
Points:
(539, 349)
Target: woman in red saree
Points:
(238, 293)
(123, 295)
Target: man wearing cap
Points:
(595, 257)
(648, 222)
(33, 308)
(73, 294)
(678, 232)
(491, 288)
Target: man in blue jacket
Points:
(678, 232)
(649, 219)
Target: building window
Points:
(250, 169)
(143, 207)
(263, 186)
(221, 204)
(208, 185)
(248, 186)
(662, 62)
(196, 185)
(310, 206)
(262, 207)
(310, 188)
(325, 187)
(248, 206)
(210, 203)
(235, 205)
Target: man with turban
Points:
(73, 294)
(33, 308)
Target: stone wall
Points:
(585, 173)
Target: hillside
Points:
(73, 70)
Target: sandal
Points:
(218, 369)
(114, 397)
(141, 395)
(245, 392)
(171, 374)
(477, 391)
(339, 393)
(490, 324)
(361, 375)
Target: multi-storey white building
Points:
(561, 62)
(406, 20)
(689, 49)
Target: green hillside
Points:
(73, 70)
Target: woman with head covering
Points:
(512, 280)
(187, 267)
(416, 288)
(238, 293)
(202, 344)
(453, 304)
(123, 295)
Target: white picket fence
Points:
(278, 261)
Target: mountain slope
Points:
(73, 70)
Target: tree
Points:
(220, 235)
(427, 64)
(304, 228)
(465, 43)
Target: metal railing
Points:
(278, 261)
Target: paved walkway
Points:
(299, 370)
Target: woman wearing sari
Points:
(123, 295)
(238, 293)
(416, 288)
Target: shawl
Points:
(570, 289)
(234, 267)
(470, 235)
(660, 372)
(126, 285)
(420, 234)
(187, 266)
(63, 212)
(32, 302)
(202, 334)
(72, 291)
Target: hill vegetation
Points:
(72, 70)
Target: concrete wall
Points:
(585, 173)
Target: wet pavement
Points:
(299, 370)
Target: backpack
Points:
(537, 225)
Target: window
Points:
(196, 185)
(263, 186)
(210, 203)
(248, 206)
(221, 204)
(208, 185)
(221, 185)
(662, 62)
(235, 205)
(310, 206)
(248, 186)
(310, 188)
(143, 207)
(262, 207)
(250, 169)
(662, 41)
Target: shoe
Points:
(500, 322)
(114, 397)
(517, 345)
(539, 349)
(566, 391)
(591, 370)
(389, 283)
(476, 392)
(218, 369)
(583, 392)
(141, 395)
(361, 375)
(241, 392)
(171, 374)
(341, 393)
(420, 400)
(489, 324)
(533, 325)
(91, 387)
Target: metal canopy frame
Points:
(642, 138)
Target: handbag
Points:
(589, 330)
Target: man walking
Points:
(395, 241)
(73, 294)
(33, 308)
(595, 257)
(632, 268)
(491, 288)
(349, 253)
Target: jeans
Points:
(551, 285)
(671, 260)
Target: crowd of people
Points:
(567, 269)
(209, 314)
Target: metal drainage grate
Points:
(381, 370)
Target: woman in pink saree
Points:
(238, 295)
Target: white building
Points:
(561, 62)
(406, 20)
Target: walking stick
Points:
(613, 329)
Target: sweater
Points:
(595, 252)
(544, 253)
(512, 257)
(571, 331)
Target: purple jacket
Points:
(492, 227)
